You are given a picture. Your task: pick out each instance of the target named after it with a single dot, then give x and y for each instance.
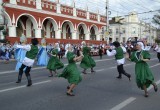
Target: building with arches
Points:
(55, 21)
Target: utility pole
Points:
(107, 21)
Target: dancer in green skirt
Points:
(54, 63)
(87, 61)
(71, 72)
(144, 76)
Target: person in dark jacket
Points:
(100, 52)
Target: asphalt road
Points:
(99, 91)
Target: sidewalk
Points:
(5, 60)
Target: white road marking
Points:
(123, 104)
(100, 70)
(37, 68)
(155, 65)
(9, 89)
(129, 100)
(19, 87)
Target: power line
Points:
(155, 1)
(132, 5)
(140, 13)
(139, 4)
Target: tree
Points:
(156, 19)
(157, 40)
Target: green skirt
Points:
(87, 62)
(72, 74)
(144, 75)
(54, 64)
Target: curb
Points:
(9, 60)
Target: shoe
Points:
(84, 72)
(50, 76)
(119, 77)
(93, 71)
(146, 95)
(70, 94)
(155, 88)
(28, 85)
(68, 87)
(18, 81)
(129, 77)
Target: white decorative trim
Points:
(13, 20)
(95, 28)
(84, 26)
(34, 21)
(22, 25)
(8, 17)
(59, 25)
(29, 2)
(70, 24)
(53, 21)
(39, 23)
(51, 13)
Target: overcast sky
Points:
(119, 7)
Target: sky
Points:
(119, 7)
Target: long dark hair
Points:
(34, 41)
(116, 44)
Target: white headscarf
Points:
(141, 44)
(43, 41)
(23, 38)
(57, 46)
(83, 43)
(66, 48)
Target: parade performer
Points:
(54, 63)
(32, 51)
(100, 51)
(144, 76)
(145, 46)
(129, 48)
(42, 57)
(71, 72)
(7, 52)
(157, 49)
(118, 52)
(87, 61)
(20, 53)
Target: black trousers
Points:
(158, 56)
(122, 71)
(27, 72)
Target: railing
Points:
(53, 7)
(12, 40)
(81, 13)
(66, 10)
(103, 19)
(93, 16)
(27, 3)
(49, 6)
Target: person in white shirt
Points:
(157, 49)
(118, 52)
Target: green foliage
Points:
(1, 28)
(156, 19)
(4, 33)
(157, 40)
